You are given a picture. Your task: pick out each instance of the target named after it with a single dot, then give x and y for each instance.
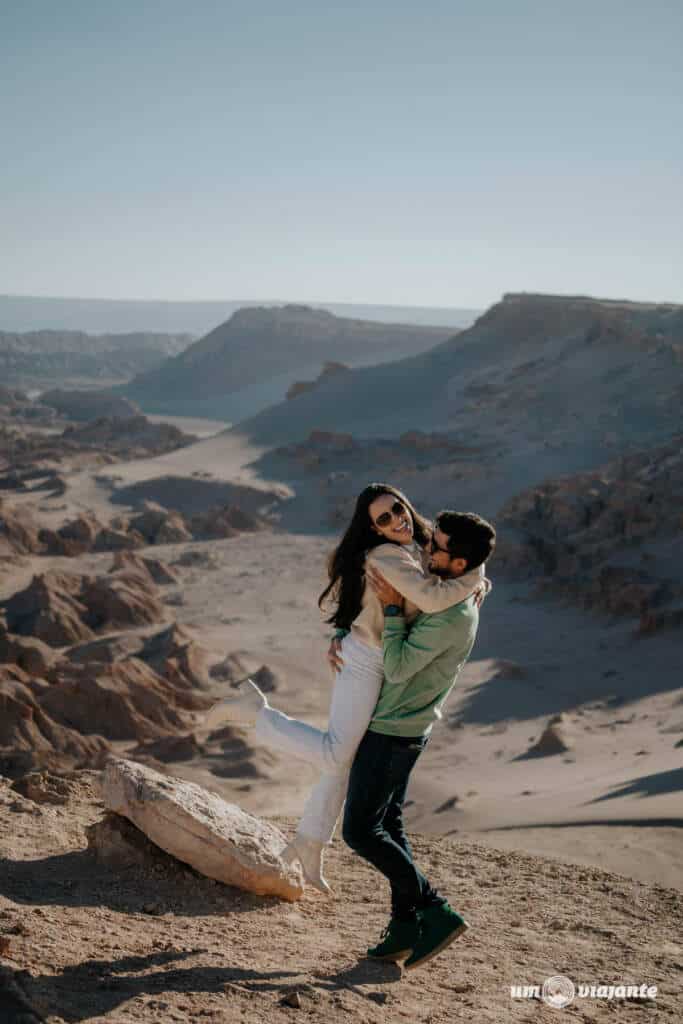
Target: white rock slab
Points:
(218, 839)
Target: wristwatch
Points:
(393, 609)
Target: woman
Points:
(386, 533)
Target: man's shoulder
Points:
(464, 611)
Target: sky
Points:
(440, 153)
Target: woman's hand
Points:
(334, 654)
(384, 590)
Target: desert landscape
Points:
(149, 563)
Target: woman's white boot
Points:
(309, 853)
(242, 709)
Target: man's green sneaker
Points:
(440, 926)
(397, 942)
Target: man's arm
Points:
(429, 593)
(407, 650)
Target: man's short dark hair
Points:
(469, 536)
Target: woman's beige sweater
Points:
(405, 566)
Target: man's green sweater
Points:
(421, 665)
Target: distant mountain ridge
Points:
(30, 312)
(561, 370)
(52, 356)
(251, 360)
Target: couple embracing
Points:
(407, 595)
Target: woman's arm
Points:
(429, 593)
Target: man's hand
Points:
(334, 654)
(384, 590)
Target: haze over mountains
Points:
(108, 316)
(251, 361)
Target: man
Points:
(421, 665)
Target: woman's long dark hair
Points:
(347, 562)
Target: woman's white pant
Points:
(354, 697)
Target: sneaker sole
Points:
(401, 955)
(460, 930)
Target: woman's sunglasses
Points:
(398, 509)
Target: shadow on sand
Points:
(94, 988)
(646, 785)
(76, 879)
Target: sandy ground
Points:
(192, 425)
(158, 943)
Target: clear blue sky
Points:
(393, 152)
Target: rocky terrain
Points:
(609, 539)
(300, 387)
(253, 359)
(87, 661)
(38, 359)
(40, 446)
(544, 375)
(96, 925)
(83, 406)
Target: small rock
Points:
(43, 788)
(292, 999)
(152, 908)
(555, 738)
(447, 805)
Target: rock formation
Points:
(38, 359)
(128, 437)
(30, 738)
(251, 358)
(126, 700)
(151, 568)
(19, 534)
(89, 405)
(63, 609)
(578, 534)
(121, 600)
(158, 525)
(555, 739)
(223, 521)
(73, 538)
(534, 371)
(218, 839)
(28, 652)
(300, 387)
(50, 609)
(175, 656)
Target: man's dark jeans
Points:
(373, 822)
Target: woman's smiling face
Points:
(391, 519)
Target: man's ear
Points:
(458, 566)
